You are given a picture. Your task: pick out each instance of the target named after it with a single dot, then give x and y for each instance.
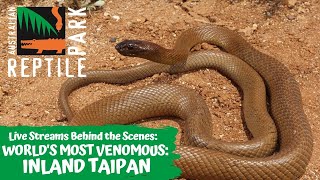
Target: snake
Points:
(282, 141)
(55, 13)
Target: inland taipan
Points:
(44, 44)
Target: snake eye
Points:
(130, 47)
(133, 48)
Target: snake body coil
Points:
(254, 160)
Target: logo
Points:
(41, 31)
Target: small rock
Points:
(112, 58)
(215, 105)
(115, 17)
(113, 39)
(142, 19)
(28, 103)
(211, 19)
(5, 89)
(206, 46)
(291, 3)
(268, 14)
(25, 115)
(196, 47)
(301, 18)
(254, 26)
(3, 51)
(106, 13)
(130, 26)
(291, 17)
(150, 28)
(301, 10)
(248, 31)
(99, 3)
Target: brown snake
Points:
(254, 160)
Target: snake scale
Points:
(279, 150)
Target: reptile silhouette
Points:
(55, 12)
(44, 44)
(58, 44)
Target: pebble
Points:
(268, 14)
(106, 15)
(291, 3)
(5, 89)
(254, 26)
(112, 58)
(212, 19)
(113, 39)
(301, 10)
(176, 7)
(301, 18)
(291, 17)
(248, 31)
(215, 105)
(207, 46)
(99, 3)
(197, 47)
(25, 115)
(115, 17)
(142, 19)
(28, 103)
(151, 28)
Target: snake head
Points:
(136, 48)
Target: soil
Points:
(289, 32)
